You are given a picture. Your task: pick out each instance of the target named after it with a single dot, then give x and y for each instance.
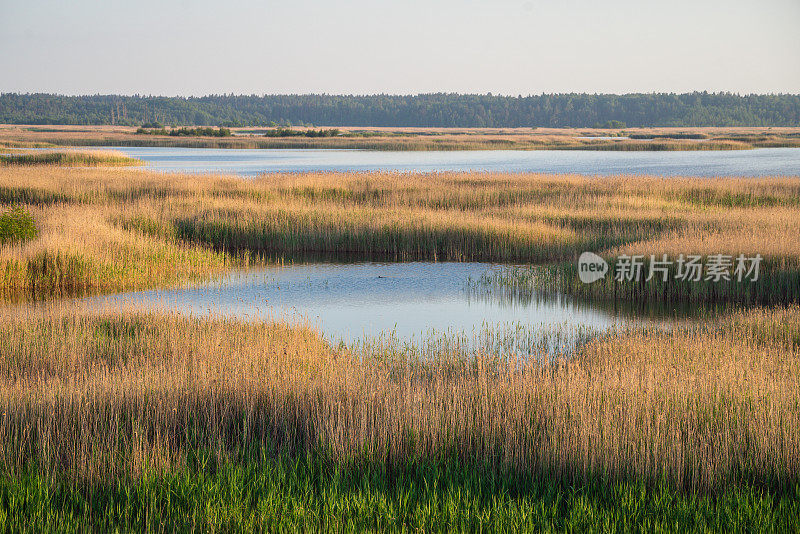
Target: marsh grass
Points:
(98, 158)
(666, 144)
(77, 251)
(314, 493)
(132, 420)
(105, 396)
(17, 225)
(778, 283)
(114, 228)
(420, 139)
(427, 143)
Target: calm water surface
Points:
(352, 302)
(412, 301)
(757, 162)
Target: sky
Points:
(510, 47)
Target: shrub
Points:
(610, 125)
(288, 132)
(186, 132)
(17, 225)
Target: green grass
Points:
(288, 132)
(17, 226)
(314, 493)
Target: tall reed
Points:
(95, 158)
(100, 397)
(202, 222)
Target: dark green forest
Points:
(432, 110)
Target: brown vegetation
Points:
(115, 395)
(422, 138)
(115, 229)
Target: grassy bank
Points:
(313, 494)
(98, 158)
(414, 143)
(113, 228)
(418, 139)
(77, 251)
(211, 422)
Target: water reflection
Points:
(409, 302)
(757, 162)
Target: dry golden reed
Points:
(77, 158)
(113, 394)
(113, 229)
(110, 394)
(422, 138)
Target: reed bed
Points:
(199, 224)
(215, 424)
(424, 139)
(95, 158)
(108, 396)
(76, 251)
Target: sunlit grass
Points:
(96, 158)
(78, 251)
(159, 228)
(107, 396)
(209, 423)
(419, 139)
(314, 493)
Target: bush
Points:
(157, 131)
(17, 225)
(288, 132)
(610, 125)
(200, 132)
(187, 132)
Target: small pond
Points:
(410, 302)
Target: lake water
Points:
(352, 302)
(757, 162)
(415, 302)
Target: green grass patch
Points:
(312, 493)
(17, 225)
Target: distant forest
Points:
(442, 110)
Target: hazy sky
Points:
(512, 47)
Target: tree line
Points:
(432, 110)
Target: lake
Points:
(415, 302)
(757, 162)
(352, 302)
